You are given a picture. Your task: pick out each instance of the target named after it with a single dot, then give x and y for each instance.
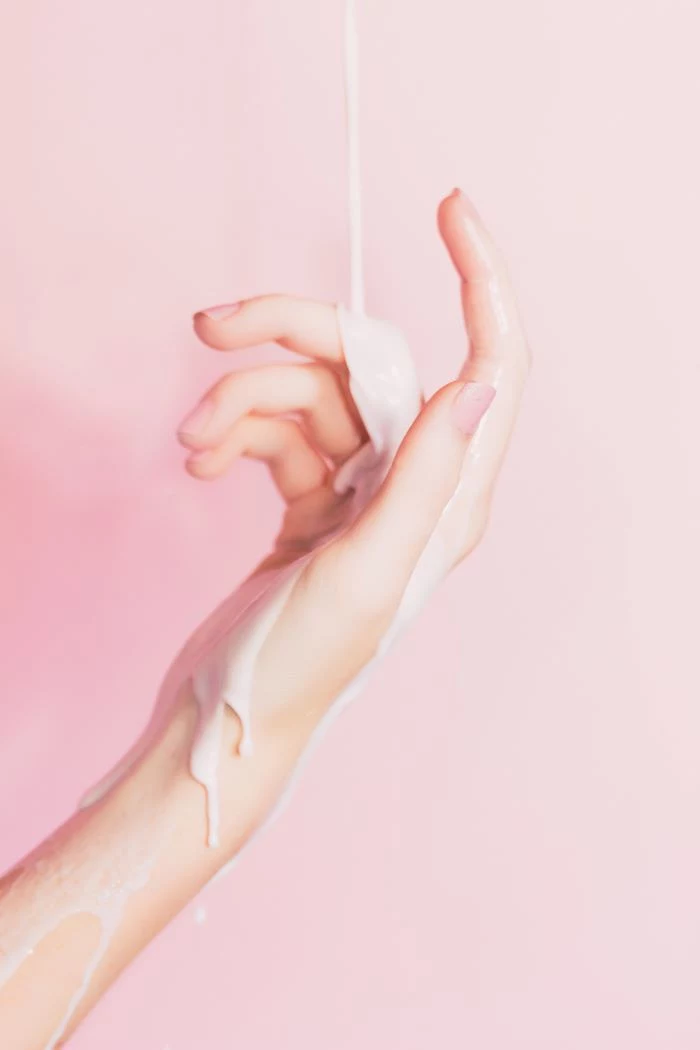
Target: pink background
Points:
(498, 846)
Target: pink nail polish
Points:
(220, 313)
(470, 404)
(197, 420)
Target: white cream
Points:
(385, 389)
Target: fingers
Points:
(230, 421)
(387, 540)
(491, 317)
(498, 354)
(306, 327)
(315, 392)
(296, 467)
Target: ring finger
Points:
(314, 391)
(296, 467)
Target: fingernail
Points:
(220, 313)
(470, 404)
(197, 420)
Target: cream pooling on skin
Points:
(220, 659)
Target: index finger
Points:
(491, 316)
(302, 325)
(498, 354)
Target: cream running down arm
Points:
(384, 496)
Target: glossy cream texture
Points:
(220, 657)
(221, 664)
(386, 391)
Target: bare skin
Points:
(301, 421)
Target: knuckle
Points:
(229, 384)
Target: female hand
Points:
(301, 419)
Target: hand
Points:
(302, 421)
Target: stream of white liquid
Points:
(220, 659)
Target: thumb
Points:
(387, 539)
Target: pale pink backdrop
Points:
(498, 846)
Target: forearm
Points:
(159, 807)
